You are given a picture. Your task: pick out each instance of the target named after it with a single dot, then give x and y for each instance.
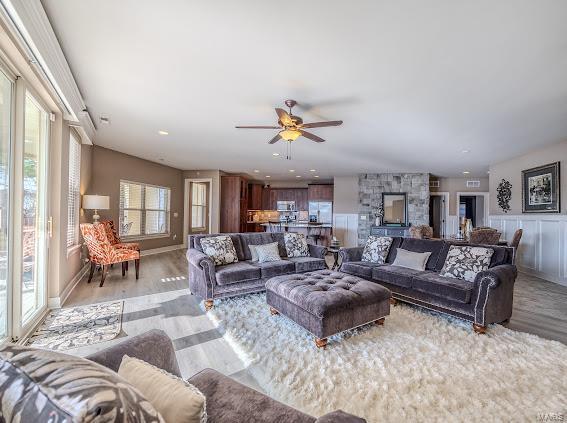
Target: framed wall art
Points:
(541, 189)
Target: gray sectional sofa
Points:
(209, 281)
(486, 300)
(227, 400)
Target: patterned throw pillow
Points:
(41, 386)
(220, 249)
(296, 245)
(376, 249)
(464, 262)
(268, 252)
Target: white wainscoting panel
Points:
(345, 228)
(543, 248)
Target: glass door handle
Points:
(50, 227)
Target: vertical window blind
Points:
(74, 197)
(144, 209)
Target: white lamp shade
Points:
(96, 202)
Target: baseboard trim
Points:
(57, 302)
(161, 250)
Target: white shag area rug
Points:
(419, 366)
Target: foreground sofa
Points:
(244, 277)
(227, 400)
(487, 300)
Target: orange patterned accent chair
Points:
(115, 240)
(102, 253)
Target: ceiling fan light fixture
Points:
(290, 134)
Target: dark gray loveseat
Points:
(227, 400)
(487, 300)
(209, 281)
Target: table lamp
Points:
(96, 203)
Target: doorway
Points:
(438, 202)
(473, 206)
(197, 207)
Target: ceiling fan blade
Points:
(322, 124)
(257, 127)
(311, 136)
(284, 117)
(275, 139)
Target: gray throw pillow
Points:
(411, 259)
(296, 245)
(253, 252)
(220, 249)
(268, 252)
(376, 249)
(464, 262)
(40, 386)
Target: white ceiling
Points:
(416, 82)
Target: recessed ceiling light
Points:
(268, 176)
(312, 170)
(316, 176)
(291, 170)
(466, 172)
(298, 176)
(161, 132)
(275, 154)
(256, 171)
(466, 151)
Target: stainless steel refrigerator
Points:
(321, 211)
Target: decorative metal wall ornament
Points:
(504, 195)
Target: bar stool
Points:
(315, 232)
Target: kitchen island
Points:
(322, 231)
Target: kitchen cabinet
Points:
(320, 192)
(298, 195)
(234, 204)
(255, 196)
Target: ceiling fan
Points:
(291, 127)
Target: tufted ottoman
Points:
(326, 302)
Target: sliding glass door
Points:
(6, 95)
(34, 209)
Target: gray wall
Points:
(109, 167)
(345, 194)
(511, 170)
(456, 184)
(372, 185)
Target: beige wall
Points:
(454, 185)
(511, 170)
(109, 167)
(345, 194)
(215, 175)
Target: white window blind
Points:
(144, 209)
(74, 191)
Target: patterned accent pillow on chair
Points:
(220, 249)
(296, 245)
(376, 249)
(40, 386)
(464, 262)
(268, 252)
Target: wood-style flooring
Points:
(161, 299)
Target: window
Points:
(144, 210)
(199, 207)
(74, 191)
